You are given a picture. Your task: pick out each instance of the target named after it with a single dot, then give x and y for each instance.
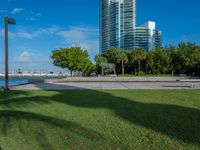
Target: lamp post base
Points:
(5, 88)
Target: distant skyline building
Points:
(118, 27)
(146, 36)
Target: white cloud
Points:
(33, 16)
(16, 10)
(2, 33)
(24, 57)
(22, 33)
(25, 34)
(30, 19)
(85, 37)
(38, 14)
(48, 31)
(28, 56)
(30, 60)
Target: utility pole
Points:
(7, 21)
(6, 88)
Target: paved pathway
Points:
(109, 85)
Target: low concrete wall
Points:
(126, 79)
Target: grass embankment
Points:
(127, 119)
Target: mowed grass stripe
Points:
(100, 119)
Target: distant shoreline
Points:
(34, 76)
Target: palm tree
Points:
(139, 55)
(123, 59)
(100, 60)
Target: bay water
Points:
(14, 81)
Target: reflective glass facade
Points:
(118, 27)
(146, 36)
(117, 21)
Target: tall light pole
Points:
(7, 21)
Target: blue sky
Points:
(44, 25)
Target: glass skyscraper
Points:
(118, 24)
(146, 36)
(117, 21)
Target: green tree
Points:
(150, 63)
(108, 68)
(100, 60)
(112, 55)
(175, 60)
(73, 58)
(123, 59)
(189, 55)
(89, 68)
(138, 55)
(158, 61)
(197, 68)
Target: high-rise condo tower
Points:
(118, 25)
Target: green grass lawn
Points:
(86, 119)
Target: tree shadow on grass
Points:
(9, 119)
(24, 101)
(8, 116)
(178, 122)
(175, 121)
(14, 119)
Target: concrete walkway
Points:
(128, 79)
(109, 85)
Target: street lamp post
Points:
(7, 21)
